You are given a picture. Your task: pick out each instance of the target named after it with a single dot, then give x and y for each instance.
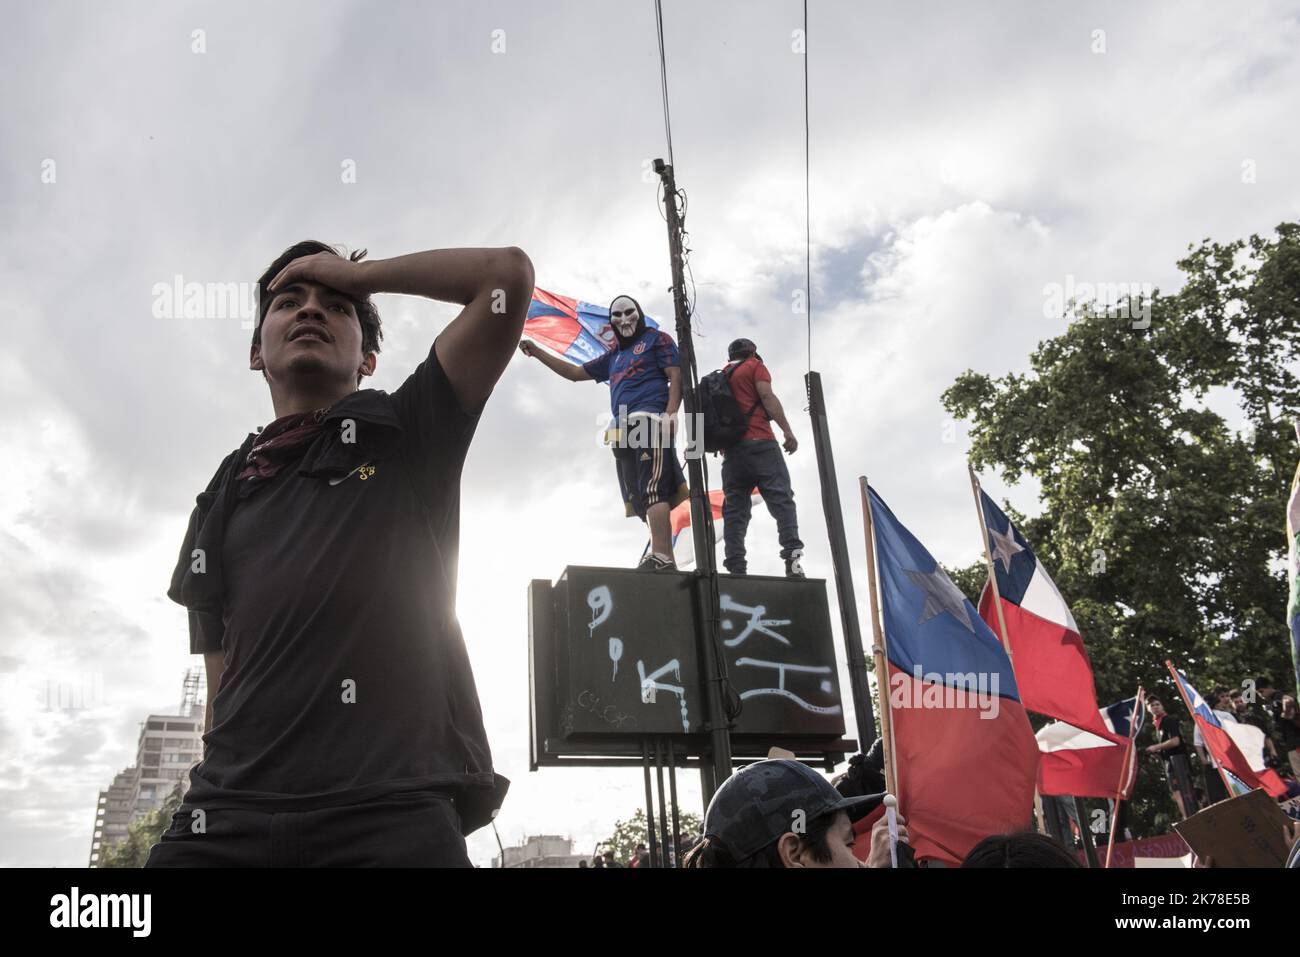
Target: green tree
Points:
(628, 834)
(1164, 456)
(142, 834)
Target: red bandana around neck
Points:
(281, 443)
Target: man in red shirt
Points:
(756, 461)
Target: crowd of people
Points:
(1273, 713)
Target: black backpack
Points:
(724, 423)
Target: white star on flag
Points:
(1005, 546)
(940, 595)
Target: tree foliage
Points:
(142, 834)
(628, 834)
(1164, 455)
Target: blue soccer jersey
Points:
(636, 374)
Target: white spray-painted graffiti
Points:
(601, 604)
(754, 623)
(757, 623)
(615, 653)
(780, 688)
(588, 701)
(649, 686)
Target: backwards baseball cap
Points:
(741, 347)
(759, 803)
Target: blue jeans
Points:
(744, 466)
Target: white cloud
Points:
(960, 161)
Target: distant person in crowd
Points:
(1020, 849)
(1267, 699)
(610, 861)
(640, 857)
(1288, 729)
(319, 573)
(582, 863)
(781, 813)
(755, 461)
(1243, 713)
(1169, 747)
(1215, 789)
(645, 390)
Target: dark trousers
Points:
(745, 465)
(410, 829)
(1179, 774)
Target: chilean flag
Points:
(577, 331)
(1220, 743)
(966, 758)
(1051, 665)
(680, 519)
(1091, 764)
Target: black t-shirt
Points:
(346, 675)
(1167, 728)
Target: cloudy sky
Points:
(964, 156)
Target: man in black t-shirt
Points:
(1171, 749)
(319, 570)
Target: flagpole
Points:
(1002, 624)
(878, 648)
(1123, 775)
(1191, 714)
(988, 558)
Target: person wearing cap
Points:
(781, 813)
(756, 461)
(645, 390)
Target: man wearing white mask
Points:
(645, 386)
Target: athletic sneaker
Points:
(794, 564)
(653, 563)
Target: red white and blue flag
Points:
(1222, 747)
(1052, 667)
(1091, 763)
(575, 330)
(683, 537)
(966, 758)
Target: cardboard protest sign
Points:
(1245, 831)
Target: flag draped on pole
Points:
(961, 742)
(577, 331)
(1052, 667)
(1090, 763)
(1125, 718)
(1293, 567)
(1239, 774)
(683, 536)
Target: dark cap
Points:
(759, 803)
(740, 348)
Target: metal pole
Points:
(862, 711)
(663, 812)
(672, 785)
(1085, 833)
(649, 804)
(706, 572)
(878, 651)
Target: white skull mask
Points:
(624, 316)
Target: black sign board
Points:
(614, 661)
